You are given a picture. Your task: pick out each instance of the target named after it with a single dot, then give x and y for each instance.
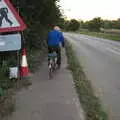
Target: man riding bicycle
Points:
(55, 37)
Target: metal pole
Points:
(18, 64)
(18, 52)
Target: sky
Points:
(89, 9)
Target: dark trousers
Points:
(52, 49)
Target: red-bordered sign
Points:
(9, 18)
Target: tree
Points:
(73, 25)
(95, 24)
(107, 24)
(39, 15)
(112, 24)
(117, 24)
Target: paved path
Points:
(100, 59)
(46, 99)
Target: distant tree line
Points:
(69, 25)
(97, 23)
(92, 25)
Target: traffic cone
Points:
(24, 66)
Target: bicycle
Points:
(52, 63)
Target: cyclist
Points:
(55, 37)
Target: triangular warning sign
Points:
(9, 18)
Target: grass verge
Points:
(7, 103)
(103, 35)
(90, 102)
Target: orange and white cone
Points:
(24, 66)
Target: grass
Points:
(90, 102)
(103, 35)
(7, 103)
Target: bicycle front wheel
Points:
(50, 72)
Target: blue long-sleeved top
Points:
(54, 38)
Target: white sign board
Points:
(10, 42)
